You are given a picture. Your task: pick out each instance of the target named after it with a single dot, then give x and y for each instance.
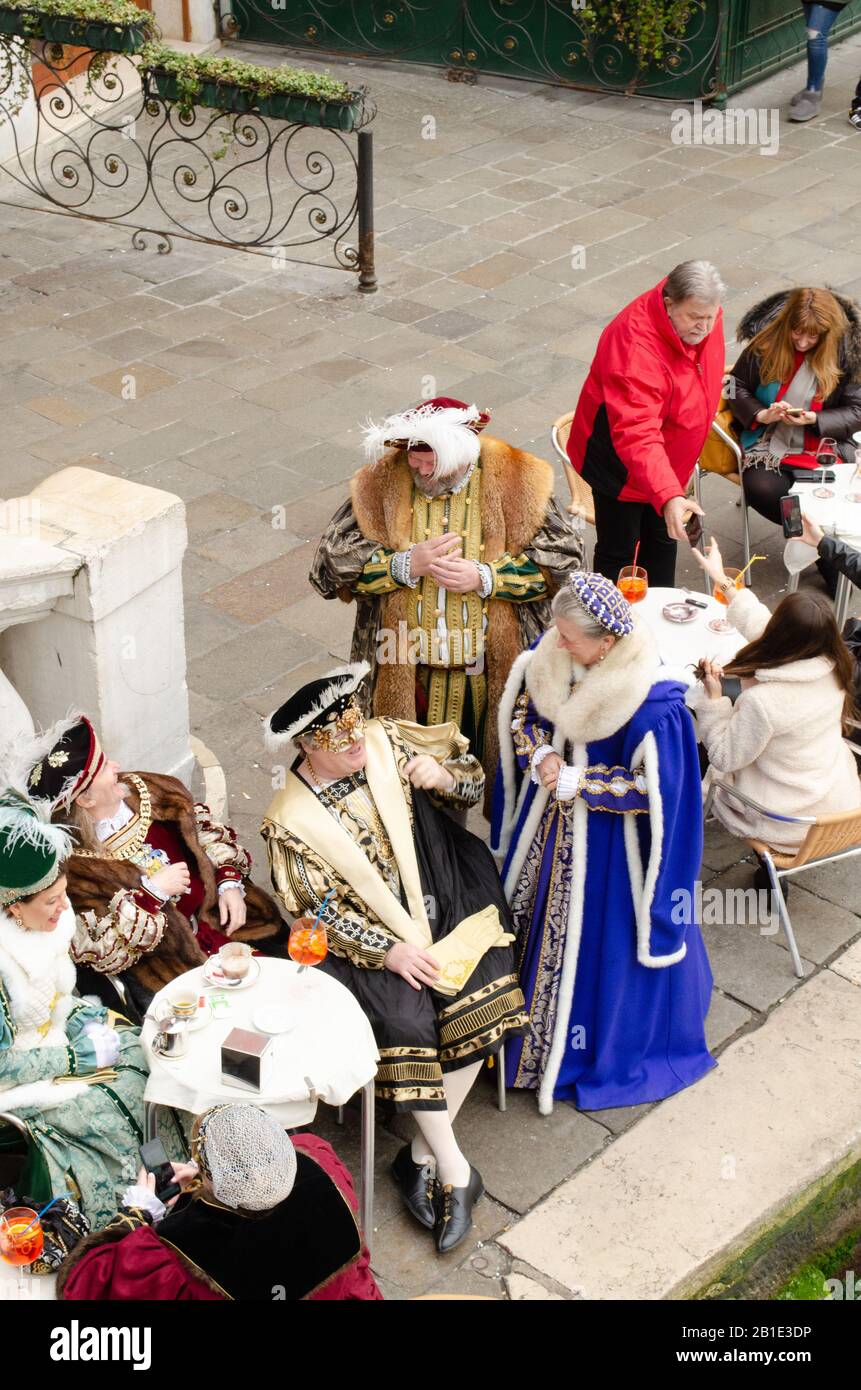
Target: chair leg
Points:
(745, 530)
(783, 914)
(339, 1115)
(701, 543)
(501, 1101)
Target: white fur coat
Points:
(38, 977)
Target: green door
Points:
(418, 31)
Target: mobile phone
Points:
(156, 1161)
(795, 412)
(694, 527)
(790, 515)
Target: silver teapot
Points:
(171, 1036)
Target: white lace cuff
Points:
(144, 1199)
(486, 585)
(154, 892)
(231, 883)
(535, 761)
(568, 784)
(399, 566)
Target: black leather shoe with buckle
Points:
(416, 1185)
(454, 1211)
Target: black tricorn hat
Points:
(315, 705)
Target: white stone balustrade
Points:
(91, 614)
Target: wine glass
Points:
(721, 624)
(21, 1239)
(308, 943)
(826, 453)
(633, 583)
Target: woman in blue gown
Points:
(598, 812)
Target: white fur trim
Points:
(446, 430)
(643, 889)
(571, 949)
(41, 1095)
(608, 694)
(344, 680)
(39, 977)
(504, 716)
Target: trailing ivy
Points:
(191, 70)
(121, 14)
(644, 26)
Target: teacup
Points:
(183, 1002)
(235, 960)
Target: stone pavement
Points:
(251, 383)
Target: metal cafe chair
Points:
(829, 838)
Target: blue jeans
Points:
(819, 21)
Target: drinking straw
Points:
(39, 1214)
(322, 908)
(751, 561)
(636, 553)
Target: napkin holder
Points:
(247, 1060)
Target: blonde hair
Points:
(81, 823)
(814, 312)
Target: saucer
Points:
(679, 613)
(213, 975)
(192, 1025)
(274, 1018)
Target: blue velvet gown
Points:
(635, 1032)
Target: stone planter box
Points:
(284, 106)
(78, 33)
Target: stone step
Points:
(705, 1177)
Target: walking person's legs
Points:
(819, 20)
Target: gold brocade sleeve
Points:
(301, 882)
(447, 745)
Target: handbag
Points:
(63, 1225)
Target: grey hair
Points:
(694, 280)
(567, 606)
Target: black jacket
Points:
(840, 416)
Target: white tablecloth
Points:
(683, 644)
(837, 516)
(331, 1044)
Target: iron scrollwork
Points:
(109, 147)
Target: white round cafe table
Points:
(838, 517)
(681, 645)
(329, 1054)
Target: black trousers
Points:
(763, 489)
(620, 525)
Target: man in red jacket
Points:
(643, 416)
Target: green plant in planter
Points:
(644, 26)
(190, 73)
(116, 24)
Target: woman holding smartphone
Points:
(782, 742)
(797, 382)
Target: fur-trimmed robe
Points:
(518, 513)
(93, 881)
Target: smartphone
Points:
(790, 515)
(694, 527)
(795, 412)
(156, 1161)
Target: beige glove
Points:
(458, 954)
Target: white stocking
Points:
(458, 1085)
(451, 1166)
(435, 1138)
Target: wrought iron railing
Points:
(110, 148)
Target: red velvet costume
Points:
(129, 1260)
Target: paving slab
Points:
(664, 1207)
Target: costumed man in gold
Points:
(416, 917)
(451, 546)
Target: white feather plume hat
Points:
(314, 705)
(449, 427)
